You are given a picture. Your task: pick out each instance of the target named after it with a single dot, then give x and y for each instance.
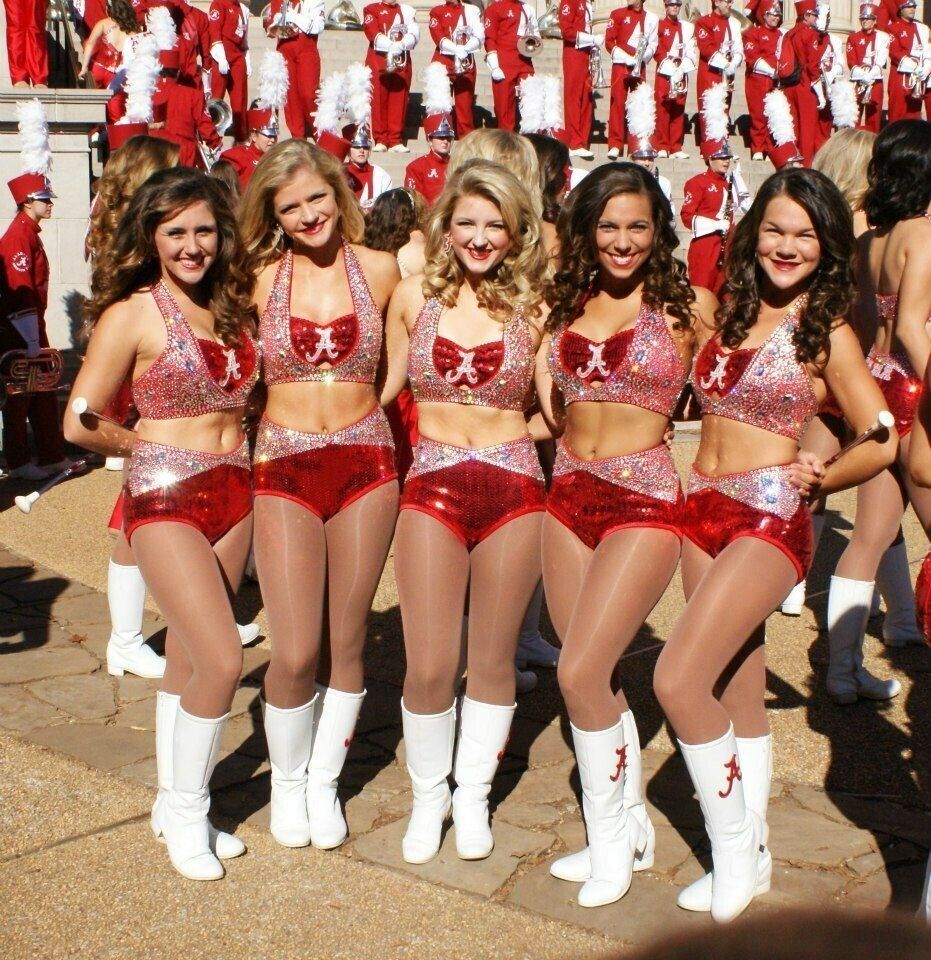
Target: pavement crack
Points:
(109, 828)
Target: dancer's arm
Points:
(919, 446)
(914, 304)
(406, 302)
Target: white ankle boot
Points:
(924, 908)
(734, 830)
(848, 609)
(894, 581)
(337, 713)
(224, 845)
(428, 741)
(483, 737)
(127, 651)
(755, 756)
(577, 867)
(184, 820)
(290, 736)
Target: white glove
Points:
(497, 75)
(462, 52)
(218, 52)
(763, 68)
(722, 225)
(395, 49)
(448, 48)
(248, 64)
(26, 324)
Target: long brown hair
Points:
(123, 13)
(131, 263)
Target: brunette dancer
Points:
(325, 476)
(466, 332)
(171, 309)
(619, 352)
(779, 343)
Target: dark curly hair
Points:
(125, 16)
(389, 223)
(832, 286)
(899, 174)
(130, 263)
(665, 284)
(553, 157)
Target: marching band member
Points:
(427, 174)
(296, 25)
(180, 115)
(392, 32)
(832, 69)
(507, 23)
(762, 48)
(783, 144)
(910, 74)
(102, 55)
(372, 179)
(194, 46)
(229, 48)
(867, 56)
(641, 125)
(887, 11)
(580, 48)
(806, 48)
(720, 48)
(26, 42)
(676, 58)
(631, 39)
(263, 134)
(459, 34)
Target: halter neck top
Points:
(763, 386)
(193, 376)
(497, 374)
(640, 366)
(345, 349)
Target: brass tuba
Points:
(398, 61)
(222, 118)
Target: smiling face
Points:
(787, 249)
(479, 236)
(306, 210)
(187, 244)
(624, 236)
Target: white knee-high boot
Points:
(428, 741)
(894, 582)
(924, 908)
(848, 609)
(290, 736)
(225, 845)
(734, 830)
(127, 651)
(337, 713)
(184, 819)
(794, 603)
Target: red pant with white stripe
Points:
(622, 84)
(464, 100)
(670, 117)
(303, 60)
(237, 84)
(26, 43)
(577, 96)
(389, 105)
(504, 95)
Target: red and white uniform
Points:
(306, 18)
(628, 30)
(705, 213)
(427, 175)
(887, 12)
(676, 58)
(579, 45)
(762, 49)
(390, 28)
(26, 44)
(910, 54)
(194, 44)
(245, 158)
(445, 20)
(867, 57)
(373, 181)
(720, 51)
(229, 30)
(506, 21)
(807, 48)
(182, 107)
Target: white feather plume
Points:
(273, 80)
(641, 113)
(437, 94)
(552, 104)
(359, 93)
(158, 22)
(778, 115)
(844, 107)
(330, 97)
(141, 78)
(532, 94)
(35, 155)
(714, 112)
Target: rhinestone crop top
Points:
(763, 386)
(887, 306)
(497, 374)
(640, 366)
(193, 376)
(294, 349)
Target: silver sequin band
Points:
(156, 465)
(767, 489)
(518, 456)
(275, 441)
(649, 472)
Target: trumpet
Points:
(678, 79)
(530, 43)
(596, 69)
(396, 61)
(461, 36)
(639, 57)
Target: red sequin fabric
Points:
(180, 382)
(348, 349)
(900, 386)
(469, 368)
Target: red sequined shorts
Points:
(593, 498)
(210, 492)
(324, 472)
(759, 503)
(923, 598)
(900, 386)
(474, 491)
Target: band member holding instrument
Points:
(427, 174)
(631, 39)
(580, 46)
(746, 519)
(720, 49)
(676, 58)
(510, 29)
(392, 32)
(263, 134)
(229, 48)
(194, 45)
(910, 74)
(296, 25)
(867, 57)
(805, 43)
(762, 48)
(832, 69)
(459, 33)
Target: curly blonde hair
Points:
(511, 151)
(844, 158)
(518, 284)
(262, 237)
(126, 171)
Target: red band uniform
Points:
(832, 68)
(762, 46)
(805, 46)
(427, 174)
(910, 74)
(26, 43)
(304, 20)
(392, 32)
(458, 32)
(229, 47)
(867, 56)
(506, 21)
(245, 156)
(887, 12)
(181, 107)
(631, 37)
(194, 45)
(720, 51)
(579, 45)
(676, 57)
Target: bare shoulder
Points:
(129, 322)
(706, 305)
(378, 265)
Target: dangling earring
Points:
(447, 243)
(279, 233)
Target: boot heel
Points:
(115, 671)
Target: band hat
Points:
(35, 154)
(868, 11)
(31, 186)
(437, 103)
(673, 3)
(907, 3)
(437, 126)
(716, 150)
(805, 6)
(333, 144)
(263, 121)
(359, 135)
(785, 154)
